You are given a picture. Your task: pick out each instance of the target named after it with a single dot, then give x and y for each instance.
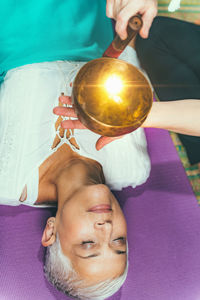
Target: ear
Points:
(49, 233)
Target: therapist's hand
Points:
(75, 123)
(123, 10)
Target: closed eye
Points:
(91, 245)
(87, 242)
(86, 245)
(120, 240)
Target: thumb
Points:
(104, 140)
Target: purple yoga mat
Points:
(164, 237)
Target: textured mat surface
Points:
(192, 171)
(164, 237)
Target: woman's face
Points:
(92, 231)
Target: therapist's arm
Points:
(181, 116)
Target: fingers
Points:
(72, 124)
(123, 10)
(65, 99)
(64, 111)
(120, 27)
(102, 141)
(110, 8)
(122, 20)
(105, 140)
(68, 112)
(147, 18)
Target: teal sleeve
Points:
(49, 30)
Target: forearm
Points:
(181, 116)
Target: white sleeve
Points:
(174, 5)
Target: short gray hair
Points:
(59, 272)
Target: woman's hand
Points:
(123, 10)
(75, 123)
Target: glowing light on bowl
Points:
(117, 99)
(113, 85)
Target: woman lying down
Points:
(43, 164)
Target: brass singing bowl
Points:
(105, 112)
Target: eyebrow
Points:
(97, 254)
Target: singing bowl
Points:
(106, 113)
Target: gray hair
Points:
(59, 272)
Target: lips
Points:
(102, 208)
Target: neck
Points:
(64, 172)
(80, 172)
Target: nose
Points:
(104, 230)
(103, 224)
